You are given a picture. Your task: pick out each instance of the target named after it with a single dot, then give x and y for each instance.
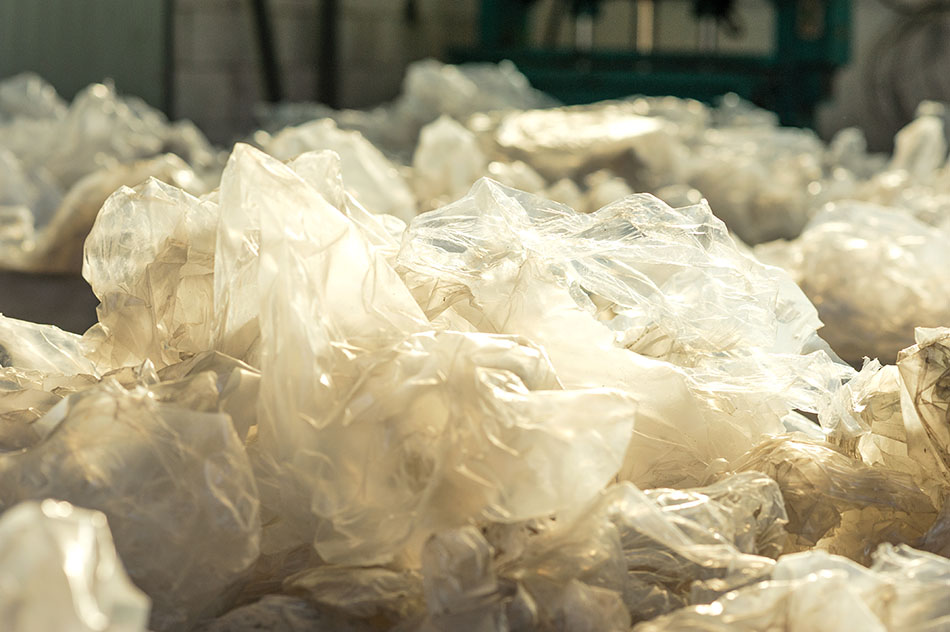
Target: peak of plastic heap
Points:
(297, 413)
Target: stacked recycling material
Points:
(59, 163)
(874, 272)
(296, 414)
(862, 234)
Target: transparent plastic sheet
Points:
(903, 589)
(874, 274)
(636, 276)
(421, 379)
(149, 258)
(575, 141)
(924, 369)
(865, 420)
(60, 571)
(175, 484)
(45, 348)
(350, 365)
(436, 180)
(746, 510)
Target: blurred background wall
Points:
(201, 59)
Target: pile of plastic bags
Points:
(306, 406)
(507, 415)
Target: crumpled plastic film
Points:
(351, 373)
(61, 163)
(865, 420)
(903, 589)
(636, 276)
(924, 370)
(622, 557)
(59, 571)
(45, 348)
(368, 174)
(636, 265)
(572, 142)
(150, 260)
(746, 510)
(430, 89)
(438, 179)
(837, 503)
(506, 415)
(175, 484)
(874, 275)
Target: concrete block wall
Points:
(217, 72)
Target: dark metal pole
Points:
(268, 55)
(327, 85)
(168, 67)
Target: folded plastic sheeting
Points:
(58, 164)
(507, 415)
(873, 278)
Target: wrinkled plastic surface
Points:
(505, 415)
(903, 589)
(874, 274)
(349, 368)
(175, 484)
(58, 164)
(837, 503)
(633, 280)
(59, 571)
(430, 89)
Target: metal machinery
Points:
(811, 40)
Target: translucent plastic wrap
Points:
(903, 590)
(621, 558)
(175, 485)
(505, 415)
(436, 180)
(837, 503)
(430, 89)
(59, 571)
(149, 259)
(757, 178)
(349, 368)
(571, 142)
(59, 164)
(369, 175)
(635, 279)
(43, 348)
(746, 510)
(874, 274)
(925, 399)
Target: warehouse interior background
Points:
(201, 59)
